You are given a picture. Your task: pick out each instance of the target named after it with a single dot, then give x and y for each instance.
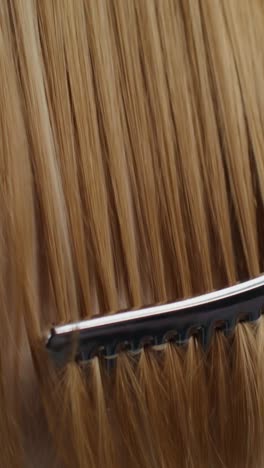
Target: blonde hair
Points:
(132, 171)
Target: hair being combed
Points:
(132, 170)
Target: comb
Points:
(176, 322)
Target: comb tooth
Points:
(158, 339)
(90, 352)
(83, 356)
(109, 365)
(187, 333)
(101, 352)
(231, 325)
(182, 337)
(255, 315)
(110, 350)
(207, 333)
(135, 345)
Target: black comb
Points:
(131, 330)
